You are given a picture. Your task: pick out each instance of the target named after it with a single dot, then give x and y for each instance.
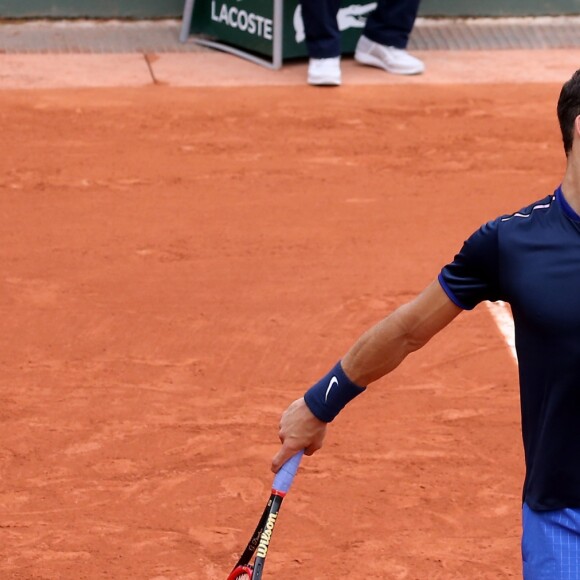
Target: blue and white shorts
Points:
(551, 544)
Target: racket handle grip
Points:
(284, 477)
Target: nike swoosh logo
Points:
(333, 381)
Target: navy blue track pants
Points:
(390, 24)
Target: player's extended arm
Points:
(376, 353)
(382, 348)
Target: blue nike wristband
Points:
(331, 394)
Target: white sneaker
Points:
(324, 71)
(389, 58)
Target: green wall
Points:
(91, 8)
(499, 7)
(173, 8)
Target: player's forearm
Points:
(379, 350)
(382, 348)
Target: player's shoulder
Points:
(531, 212)
(505, 226)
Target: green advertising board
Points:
(265, 31)
(251, 25)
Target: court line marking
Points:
(501, 314)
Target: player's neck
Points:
(571, 183)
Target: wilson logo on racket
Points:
(260, 540)
(266, 535)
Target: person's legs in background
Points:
(322, 41)
(385, 37)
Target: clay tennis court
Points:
(181, 263)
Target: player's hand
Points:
(299, 429)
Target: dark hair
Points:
(569, 109)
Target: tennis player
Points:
(530, 259)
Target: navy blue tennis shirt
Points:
(531, 259)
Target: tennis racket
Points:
(260, 540)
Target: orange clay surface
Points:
(178, 265)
